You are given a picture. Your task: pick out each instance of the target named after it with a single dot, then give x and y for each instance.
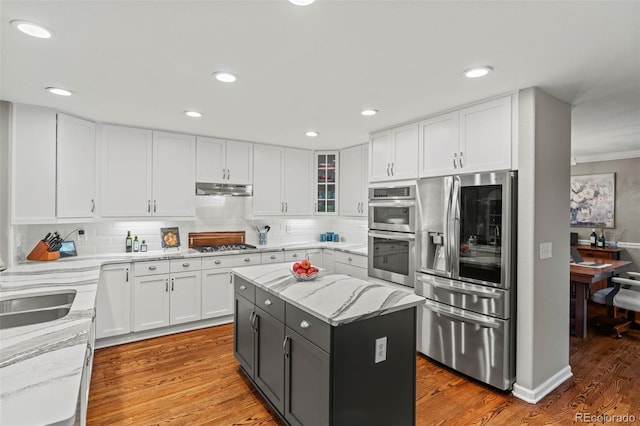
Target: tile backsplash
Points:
(212, 214)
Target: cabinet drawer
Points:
(351, 259)
(185, 265)
(246, 259)
(294, 255)
(599, 254)
(270, 303)
(244, 288)
(152, 267)
(274, 257)
(312, 328)
(216, 262)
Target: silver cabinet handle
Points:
(246, 259)
(350, 259)
(273, 256)
(186, 264)
(228, 174)
(154, 206)
(282, 207)
(153, 268)
(243, 287)
(392, 166)
(294, 255)
(284, 346)
(166, 285)
(148, 206)
(286, 207)
(224, 174)
(460, 160)
(93, 205)
(455, 157)
(388, 174)
(127, 272)
(217, 262)
(304, 324)
(172, 283)
(267, 302)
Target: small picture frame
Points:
(170, 237)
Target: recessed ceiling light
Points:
(312, 133)
(193, 114)
(302, 2)
(59, 91)
(34, 30)
(225, 77)
(369, 112)
(477, 72)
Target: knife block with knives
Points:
(47, 248)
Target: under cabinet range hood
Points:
(224, 189)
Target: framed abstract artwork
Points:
(593, 200)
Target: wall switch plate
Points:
(546, 250)
(381, 350)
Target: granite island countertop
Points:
(334, 298)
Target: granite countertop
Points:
(42, 364)
(334, 298)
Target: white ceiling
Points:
(143, 63)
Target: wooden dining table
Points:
(582, 277)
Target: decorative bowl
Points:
(303, 277)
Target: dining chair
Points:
(625, 294)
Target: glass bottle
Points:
(594, 237)
(136, 244)
(128, 242)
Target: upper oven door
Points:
(392, 215)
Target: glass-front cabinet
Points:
(327, 182)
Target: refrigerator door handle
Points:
(482, 294)
(448, 181)
(467, 317)
(454, 230)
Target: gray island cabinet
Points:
(333, 351)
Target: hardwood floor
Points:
(192, 378)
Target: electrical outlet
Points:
(82, 236)
(381, 349)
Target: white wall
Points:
(542, 354)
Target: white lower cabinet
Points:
(162, 298)
(217, 287)
(113, 301)
(315, 257)
(328, 259)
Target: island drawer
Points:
(270, 303)
(308, 326)
(217, 262)
(351, 259)
(152, 267)
(244, 288)
(186, 265)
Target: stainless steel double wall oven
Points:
(392, 233)
(467, 273)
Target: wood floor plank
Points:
(192, 378)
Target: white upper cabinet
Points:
(126, 165)
(353, 181)
(174, 174)
(394, 154)
(76, 167)
(33, 165)
(282, 181)
(147, 173)
(471, 140)
(222, 161)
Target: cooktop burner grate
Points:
(223, 247)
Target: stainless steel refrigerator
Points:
(467, 272)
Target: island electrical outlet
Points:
(381, 349)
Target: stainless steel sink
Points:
(35, 308)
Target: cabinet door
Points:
(315, 257)
(405, 152)
(186, 297)
(243, 334)
(351, 270)
(326, 178)
(34, 170)
(485, 136)
(351, 192)
(439, 145)
(151, 302)
(298, 195)
(328, 259)
(76, 167)
(268, 177)
(269, 358)
(113, 301)
(174, 179)
(217, 293)
(239, 162)
(125, 159)
(380, 153)
(307, 378)
(210, 159)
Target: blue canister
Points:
(323, 237)
(329, 236)
(336, 238)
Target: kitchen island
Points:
(336, 350)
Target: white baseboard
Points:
(533, 396)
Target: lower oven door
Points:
(473, 344)
(392, 256)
